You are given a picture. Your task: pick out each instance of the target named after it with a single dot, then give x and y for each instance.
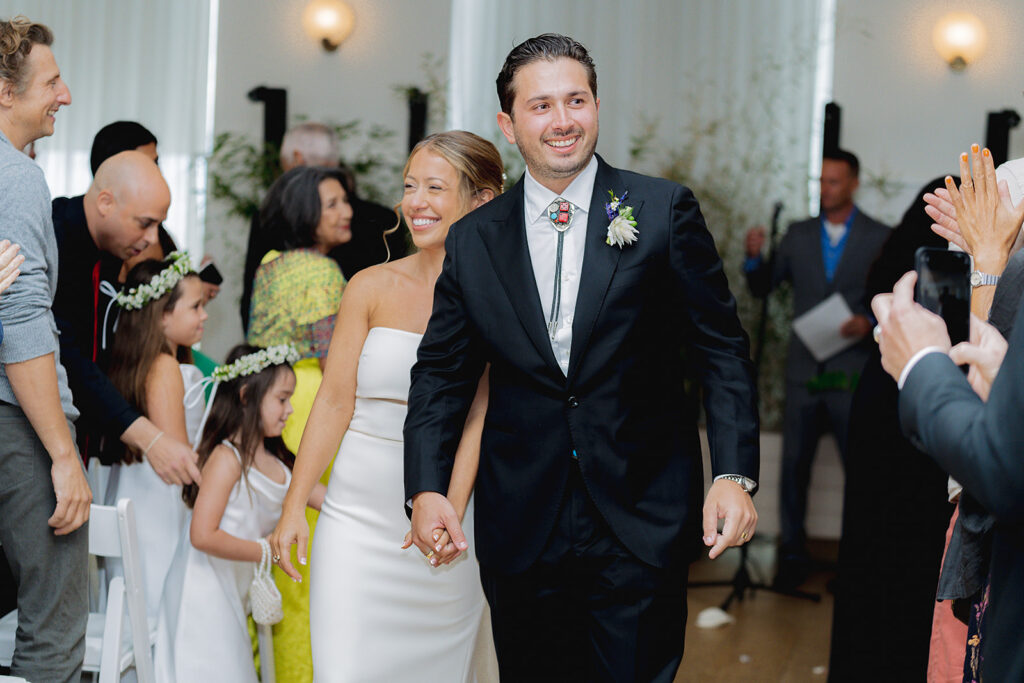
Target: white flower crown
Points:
(161, 283)
(256, 362)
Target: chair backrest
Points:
(112, 533)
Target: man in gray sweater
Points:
(44, 497)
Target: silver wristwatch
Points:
(979, 278)
(748, 484)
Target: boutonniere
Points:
(622, 229)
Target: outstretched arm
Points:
(444, 381)
(467, 462)
(331, 413)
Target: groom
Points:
(590, 479)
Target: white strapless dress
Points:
(377, 612)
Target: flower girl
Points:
(161, 317)
(202, 632)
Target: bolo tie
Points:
(560, 213)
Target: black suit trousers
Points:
(587, 609)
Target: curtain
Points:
(138, 60)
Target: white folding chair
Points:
(265, 638)
(111, 534)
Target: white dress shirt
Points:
(542, 241)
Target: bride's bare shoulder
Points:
(381, 278)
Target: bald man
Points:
(96, 232)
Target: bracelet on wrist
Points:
(151, 444)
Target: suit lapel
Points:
(505, 240)
(599, 261)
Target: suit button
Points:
(573, 402)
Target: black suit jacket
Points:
(981, 445)
(621, 406)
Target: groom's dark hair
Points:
(548, 46)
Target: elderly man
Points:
(115, 220)
(971, 426)
(44, 497)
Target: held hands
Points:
(173, 461)
(73, 495)
(727, 500)
(292, 529)
(979, 217)
(905, 326)
(436, 530)
(984, 353)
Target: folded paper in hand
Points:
(818, 328)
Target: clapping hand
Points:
(984, 353)
(979, 217)
(434, 518)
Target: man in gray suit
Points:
(820, 256)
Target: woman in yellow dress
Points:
(296, 294)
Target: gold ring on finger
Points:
(430, 554)
(276, 558)
(743, 536)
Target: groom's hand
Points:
(727, 500)
(431, 512)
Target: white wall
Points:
(262, 43)
(905, 113)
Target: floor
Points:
(775, 638)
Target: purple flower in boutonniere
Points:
(622, 229)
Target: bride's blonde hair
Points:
(476, 160)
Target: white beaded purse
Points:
(264, 598)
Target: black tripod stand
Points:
(742, 581)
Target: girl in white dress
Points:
(161, 317)
(378, 610)
(202, 632)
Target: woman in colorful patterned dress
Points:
(296, 294)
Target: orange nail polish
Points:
(974, 148)
(986, 152)
(963, 157)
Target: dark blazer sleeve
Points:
(444, 381)
(719, 346)
(95, 397)
(979, 444)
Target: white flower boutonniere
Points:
(622, 229)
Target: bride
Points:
(377, 610)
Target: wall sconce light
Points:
(959, 38)
(328, 22)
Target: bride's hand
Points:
(448, 553)
(291, 529)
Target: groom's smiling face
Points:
(553, 120)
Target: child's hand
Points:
(292, 529)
